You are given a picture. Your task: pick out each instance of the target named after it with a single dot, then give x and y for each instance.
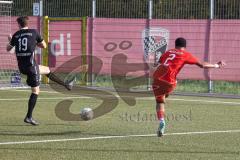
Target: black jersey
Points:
(25, 41)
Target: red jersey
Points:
(171, 62)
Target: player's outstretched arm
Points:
(220, 64)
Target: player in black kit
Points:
(25, 41)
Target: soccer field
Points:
(197, 128)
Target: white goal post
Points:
(9, 74)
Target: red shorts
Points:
(162, 89)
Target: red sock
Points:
(160, 115)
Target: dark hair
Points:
(180, 42)
(23, 21)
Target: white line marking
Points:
(28, 90)
(145, 98)
(139, 98)
(53, 98)
(193, 100)
(40, 91)
(113, 137)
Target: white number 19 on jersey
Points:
(22, 44)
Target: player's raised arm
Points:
(220, 64)
(9, 47)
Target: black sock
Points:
(31, 104)
(54, 78)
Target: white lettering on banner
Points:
(68, 44)
(60, 42)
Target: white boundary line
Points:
(145, 98)
(207, 101)
(52, 98)
(30, 91)
(139, 98)
(113, 137)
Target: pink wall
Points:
(117, 31)
(68, 43)
(223, 43)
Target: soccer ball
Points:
(86, 114)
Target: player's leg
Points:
(33, 80)
(160, 109)
(46, 71)
(161, 90)
(31, 105)
(160, 106)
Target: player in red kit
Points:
(164, 78)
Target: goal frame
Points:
(45, 53)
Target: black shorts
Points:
(33, 75)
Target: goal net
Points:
(9, 74)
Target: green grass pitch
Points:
(183, 114)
